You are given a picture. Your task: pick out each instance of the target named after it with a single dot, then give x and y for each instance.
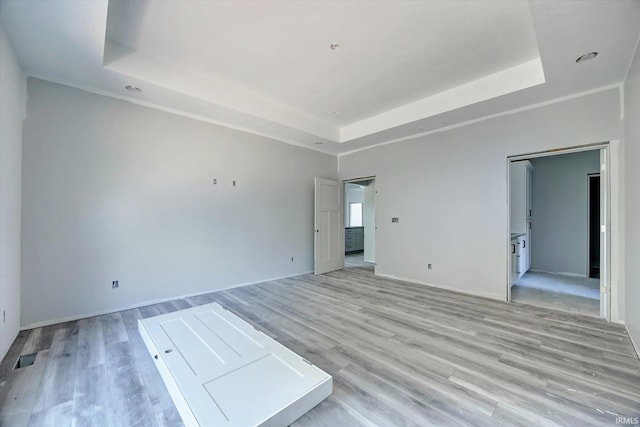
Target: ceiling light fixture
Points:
(586, 57)
(334, 46)
(133, 89)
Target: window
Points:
(355, 214)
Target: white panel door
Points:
(328, 226)
(220, 371)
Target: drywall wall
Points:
(632, 198)
(560, 217)
(353, 193)
(12, 111)
(117, 191)
(449, 191)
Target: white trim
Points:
(510, 246)
(489, 117)
(633, 343)
(497, 297)
(560, 151)
(621, 90)
(559, 273)
(149, 302)
(635, 51)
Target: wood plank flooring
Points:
(400, 354)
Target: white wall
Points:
(632, 198)
(352, 194)
(12, 111)
(449, 190)
(559, 233)
(117, 191)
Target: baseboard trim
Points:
(148, 302)
(560, 273)
(498, 297)
(633, 343)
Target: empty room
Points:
(319, 213)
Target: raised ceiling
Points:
(401, 68)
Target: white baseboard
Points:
(633, 343)
(561, 273)
(499, 297)
(146, 303)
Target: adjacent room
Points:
(555, 209)
(319, 213)
(360, 223)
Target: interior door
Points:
(328, 226)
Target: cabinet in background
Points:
(520, 255)
(521, 213)
(514, 260)
(353, 239)
(521, 174)
(523, 254)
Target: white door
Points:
(220, 371)
(328, 227)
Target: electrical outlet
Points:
(234, 183)
(215, 181)
(429, 266)
(395, 219)
(4, 316)
(291, 259)
(115, 284)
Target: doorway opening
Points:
(559, 230)
(360, 223)
(594, 225)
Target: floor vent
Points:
(25, 360)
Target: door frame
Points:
(605, 216)
(344, 220)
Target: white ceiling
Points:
(402, 67)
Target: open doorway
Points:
(593, 182)
(360, 223)
(557, 243)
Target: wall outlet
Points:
(234, 183)
(395, 219)
(291, 259)
(429, 266)
(115, 284)
(4, 316)
(215, 181)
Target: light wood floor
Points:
(400, 354)
(559, 292)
